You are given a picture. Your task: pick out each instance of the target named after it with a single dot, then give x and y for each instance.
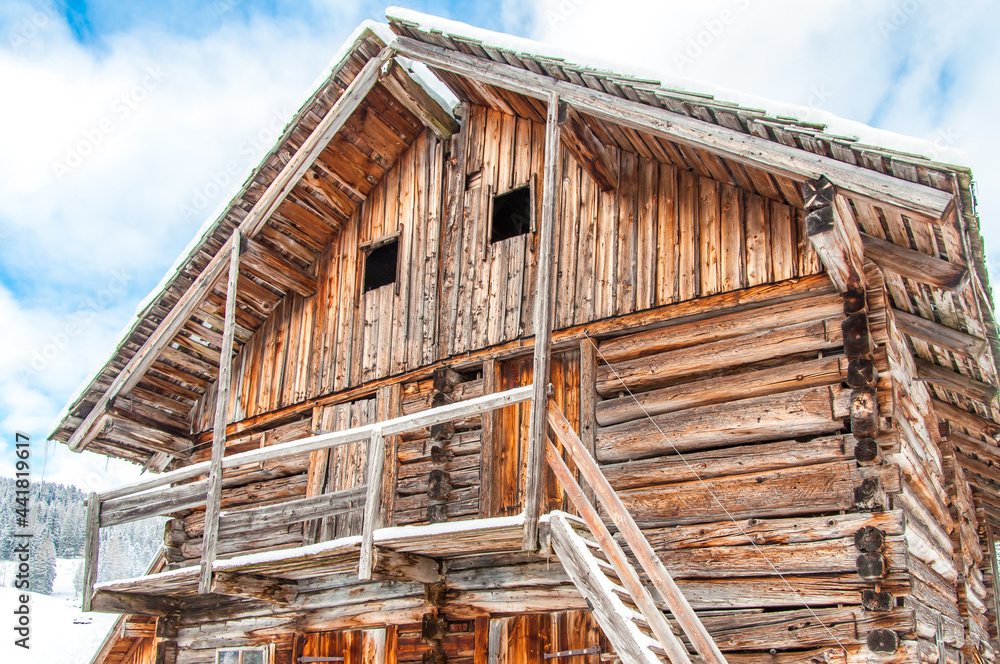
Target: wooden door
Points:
(505, 461)
(359, 646)
(526, 639)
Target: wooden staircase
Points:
(616, 610)
(622, 604)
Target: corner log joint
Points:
(836, 241)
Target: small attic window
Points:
(511, 214)
(381, 265)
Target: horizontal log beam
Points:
(915, 265)
(939, 335)
(977, 425)
(279, 592)
(292, 511)
(654, 370)
(417, 101)
(830, 487)
(774, 157)
(391, 427)
(801, 413)
(272, 197)
(969, 445)
(775, 380)
(135, 604)
(955, 382)
(125, 428)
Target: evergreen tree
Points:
(43, 567)
(78, 579)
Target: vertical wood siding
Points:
(663, 236)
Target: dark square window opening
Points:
(511, 214)
(380, 265)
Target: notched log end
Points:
(869, 539)
(867, 452)
(882, 641)
(871, 566)
(877, 600)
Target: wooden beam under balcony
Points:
(135, 604)
(279, 592)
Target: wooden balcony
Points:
(359, 556)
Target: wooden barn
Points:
(576, 369)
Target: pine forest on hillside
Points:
(58, 525)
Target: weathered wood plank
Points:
(535, 470)
(806, 412)
(915, 265)
(831, 487)
(213, 501)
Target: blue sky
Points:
(121, 119)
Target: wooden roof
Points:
(151, 422)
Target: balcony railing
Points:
(148, 498)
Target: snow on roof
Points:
(834, 124)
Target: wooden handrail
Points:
(629, 577)
(637, 542)
(392, 427)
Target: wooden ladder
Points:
(600, 569)
(633, 635)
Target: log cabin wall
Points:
(664, 235)
(754, 399)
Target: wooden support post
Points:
(373, 504)
(213, 502)
(537, 429)
(91, 548)
(702, 641)
(487, 487)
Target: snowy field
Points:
(60, 632)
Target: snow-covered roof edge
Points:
(835, 124)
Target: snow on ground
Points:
(60, 632)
